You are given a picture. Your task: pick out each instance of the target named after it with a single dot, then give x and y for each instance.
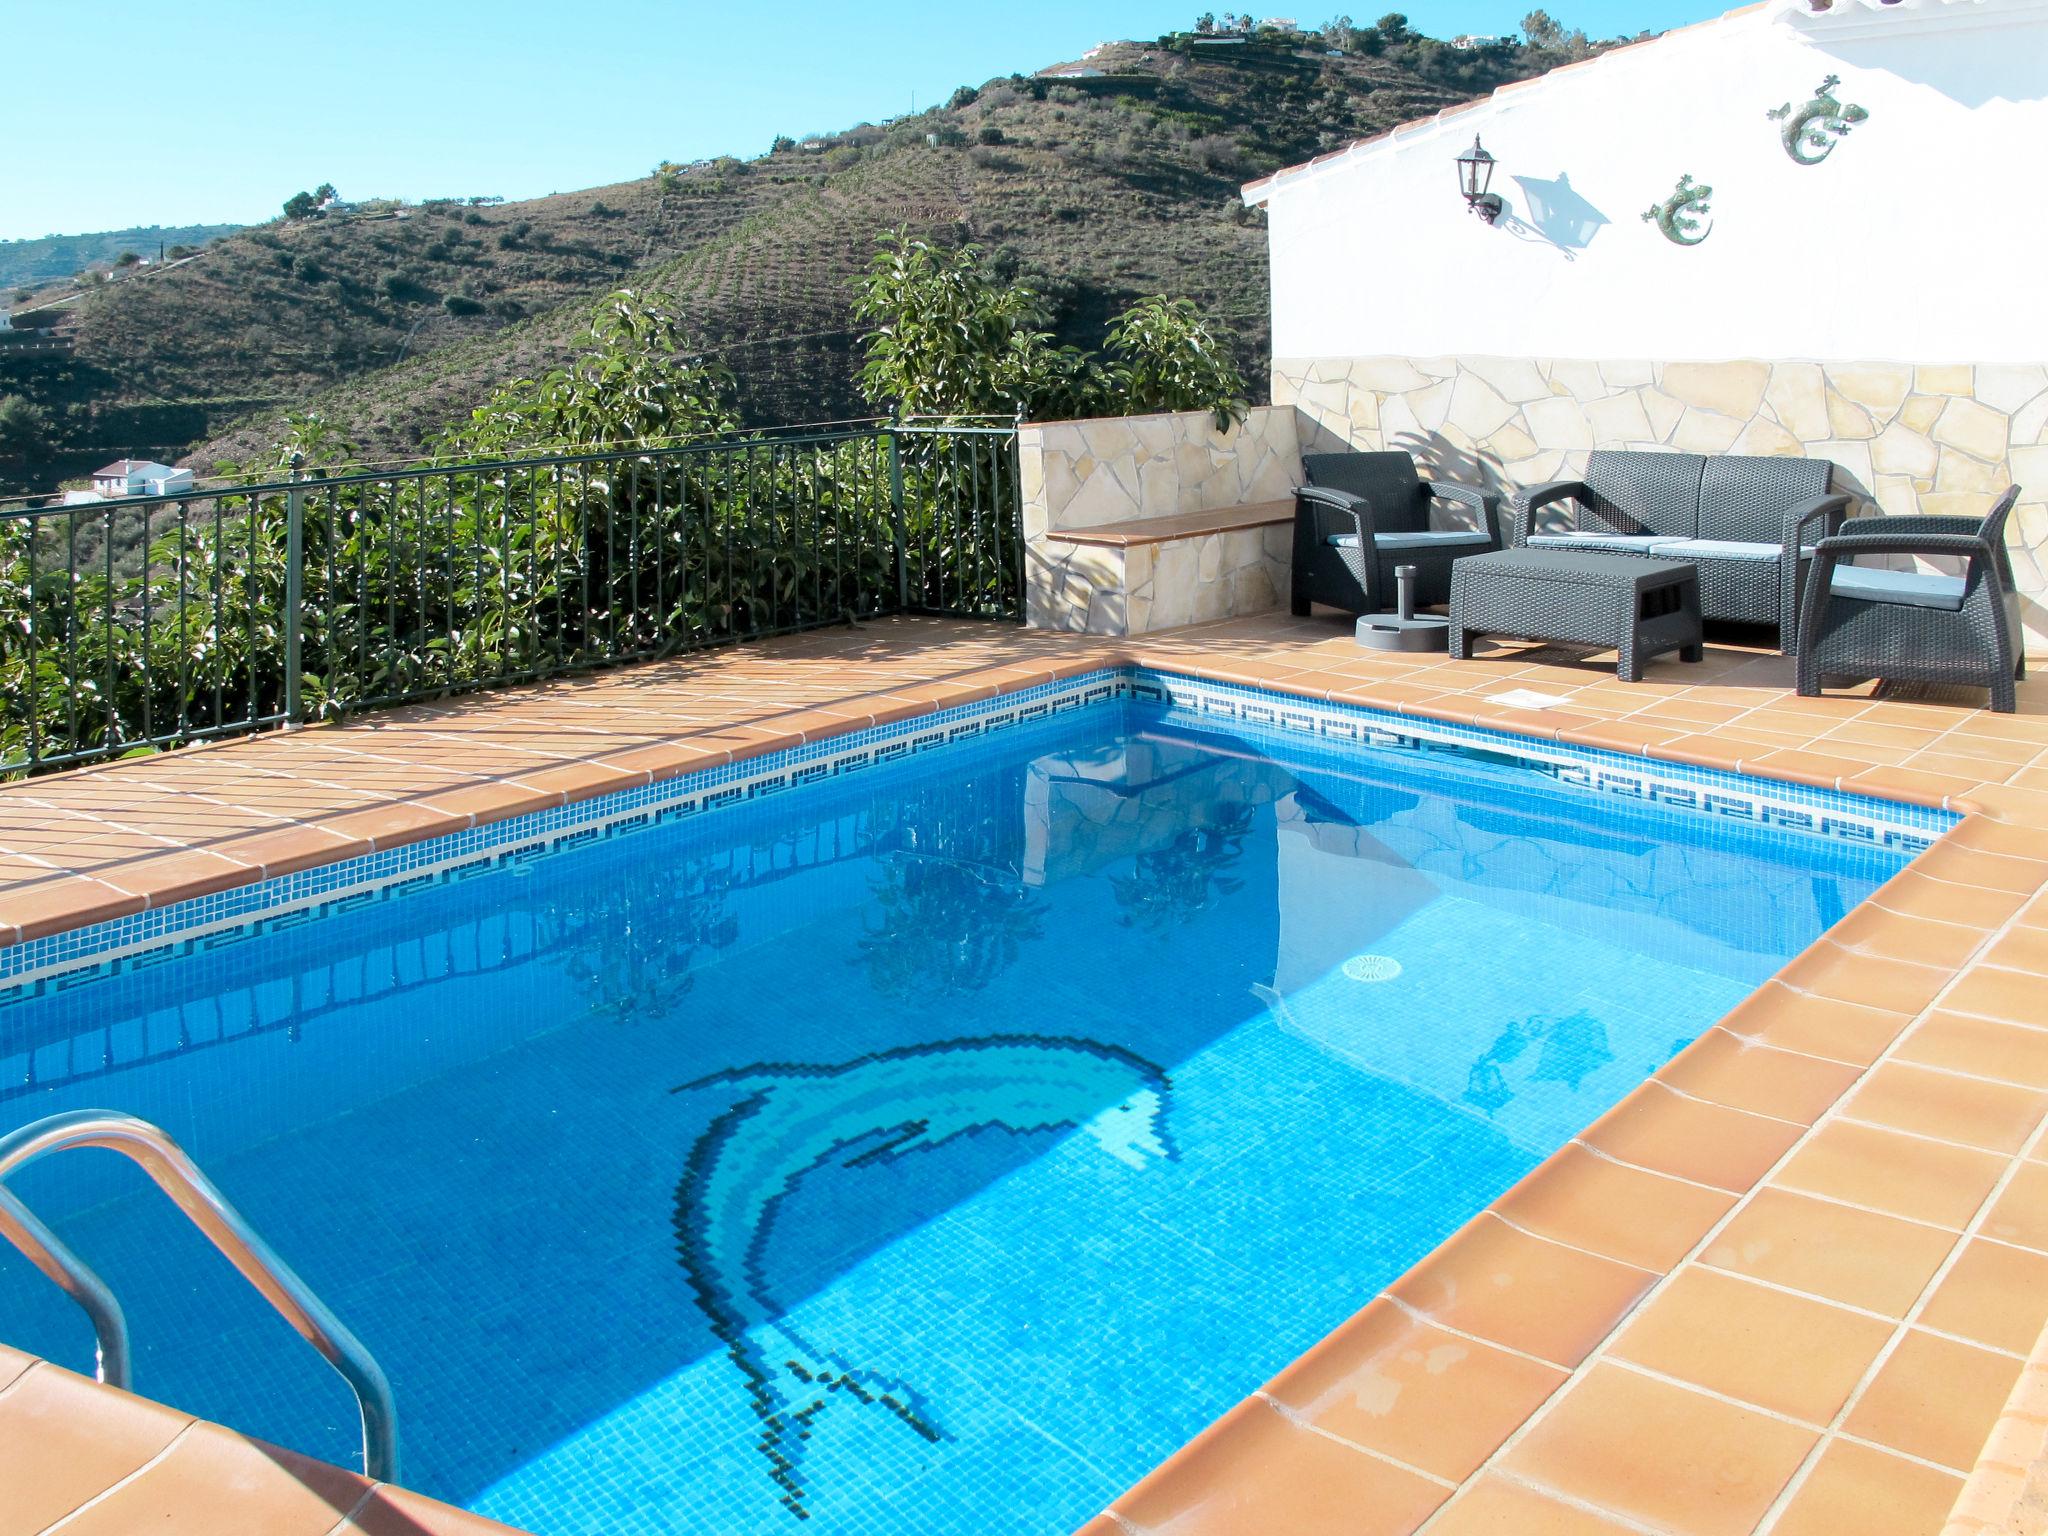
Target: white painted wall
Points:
(1923, 237)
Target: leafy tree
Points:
(990, 135)
(636, 383)
(1164, 357)
(1205, 24)
(1340, 33)
(950, 338)
(1542, 31)
(965, 96)
(127, 259)
(325, 193)
(301, 205)
(783, 144)
(1393, 28)
(25, 426)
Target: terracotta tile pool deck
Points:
(1790, 1284)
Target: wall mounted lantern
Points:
(1475, 174)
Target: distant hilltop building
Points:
(140, 477)
(1474, 39)
(1069, 72)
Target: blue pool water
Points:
(933, 1149)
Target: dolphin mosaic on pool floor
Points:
(796, 1118)
(1785, 1287)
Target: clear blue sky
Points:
(214, 111)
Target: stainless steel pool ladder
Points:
(150, 1149)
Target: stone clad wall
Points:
(1117, 469)
(1089, 474)
(1906, 437)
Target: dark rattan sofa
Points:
(1749, 524)
(1363, 514)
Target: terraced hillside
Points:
(1099, 189)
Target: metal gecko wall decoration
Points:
(1811, 133)
(1678, 218)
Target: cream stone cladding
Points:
(1930, 437)
(1118, 469)
(1078, 475)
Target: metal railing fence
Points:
(148, 622)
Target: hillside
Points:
(1099, 188)
(56, 258)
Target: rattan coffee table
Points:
(1638, 606)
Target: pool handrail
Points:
(152, 1150)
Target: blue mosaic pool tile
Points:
(162, 932)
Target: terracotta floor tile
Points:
(64, 1440)
(1915, 896)
(1916, 786)
(2000, 994)
(1993, 1295)
(1393, 1384)
(1886, 1171)
(1795, 1021)
(1748, 1075)
(1749, 1341)
(1523, 1292)
(1871, 929)
(2020, 1214)
(1667, 1132)
(1934, 1398)
(1497, 1506)
(1254, 1471)
(210, 1470)
(1828, 971)
(1996, 1116)
(1991, 870)
(1856, 1491)
(1658, 1454)
(1861, 1258)
(71, 901)
(2020, 949)
(1587, 1201)
(1983, 1047)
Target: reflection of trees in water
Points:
(945, 927)
(1568, 1049)
(1189, 875)
(951, 907)
(641, 931)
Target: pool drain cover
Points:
(1372, 967)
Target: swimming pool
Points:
(944, 1141)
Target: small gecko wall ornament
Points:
(1811, 133)
(1681, 214)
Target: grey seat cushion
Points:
(1717, 549)
(1390, 543)
(1911, 589)
(1638, 542)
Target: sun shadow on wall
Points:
(1557, 215)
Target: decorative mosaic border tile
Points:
(148, 938)
(1859, 819)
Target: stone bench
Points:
(1127, 578)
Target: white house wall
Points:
(1885, 309)
(1919, 238)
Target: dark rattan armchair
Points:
(1916, 626)
(1363, 514)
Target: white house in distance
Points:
(140, 477)
(1808, 227)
